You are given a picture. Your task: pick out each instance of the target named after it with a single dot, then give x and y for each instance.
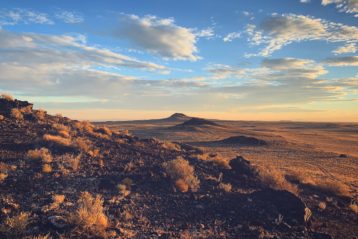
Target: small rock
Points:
(57, 221)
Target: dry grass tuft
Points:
(325, 185)
(47, 236)
(217, 159)
(15, 226)
(46, 168)
(181, 185)
(43, 154)
(16, 114)
(62, 130)
(275, 179)
(83, 144)
(3, 176)
(171, 146)
(94, 153)
(123, 190)
(7, 97)
(90, 215)
(180, 169)
(226, 187)
(104, 130)
(40, 114)
(57, 139)
(335, 187)
(354, 207)
(84, 126)
(57, 200)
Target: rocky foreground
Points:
(61, 178)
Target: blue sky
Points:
(259, 60)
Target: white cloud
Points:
(348, 6)
(69, 17)
(278, 81)
(231, 36)
(64, 65)
(348, 48)
(343, 61)
(279, 30)
(16, 16)
(160, 36)
(220, 71)
(305, 1)
(206, 33)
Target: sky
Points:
(234, 59)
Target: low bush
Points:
(46, 168)
(7, 97)
(226, 187)
(15, 226)
(43, 154)
(275, 179)
(90, 216)
(40, 114)
(16, 114)
(354, 207)
(182, 174)
(57, 139)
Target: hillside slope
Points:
(70, 179)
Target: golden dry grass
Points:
(7, 97)
(16, 114)
(83, 144)
(57, 200)
(3, 176)
(40, 114)
(354, 207)
(324, 184)
(181, 185)
(57, 139)
(84, 126)
(104, 130)
(180, 169)
(275, 179)
(43, 154)
(90, 216)
(46, 168)
(335, 187)
(171, 146)
(15, 226)
(217, 159)
(47, 236)
(226, 187)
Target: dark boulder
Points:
(282, 206)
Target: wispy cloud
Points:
(347, 6)
(343, 61)
(277, 31)
(348, 48)
(160, 36)
(231, 36)
(25, 16)
(64, 65)
(69, 17)
(205, 33)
